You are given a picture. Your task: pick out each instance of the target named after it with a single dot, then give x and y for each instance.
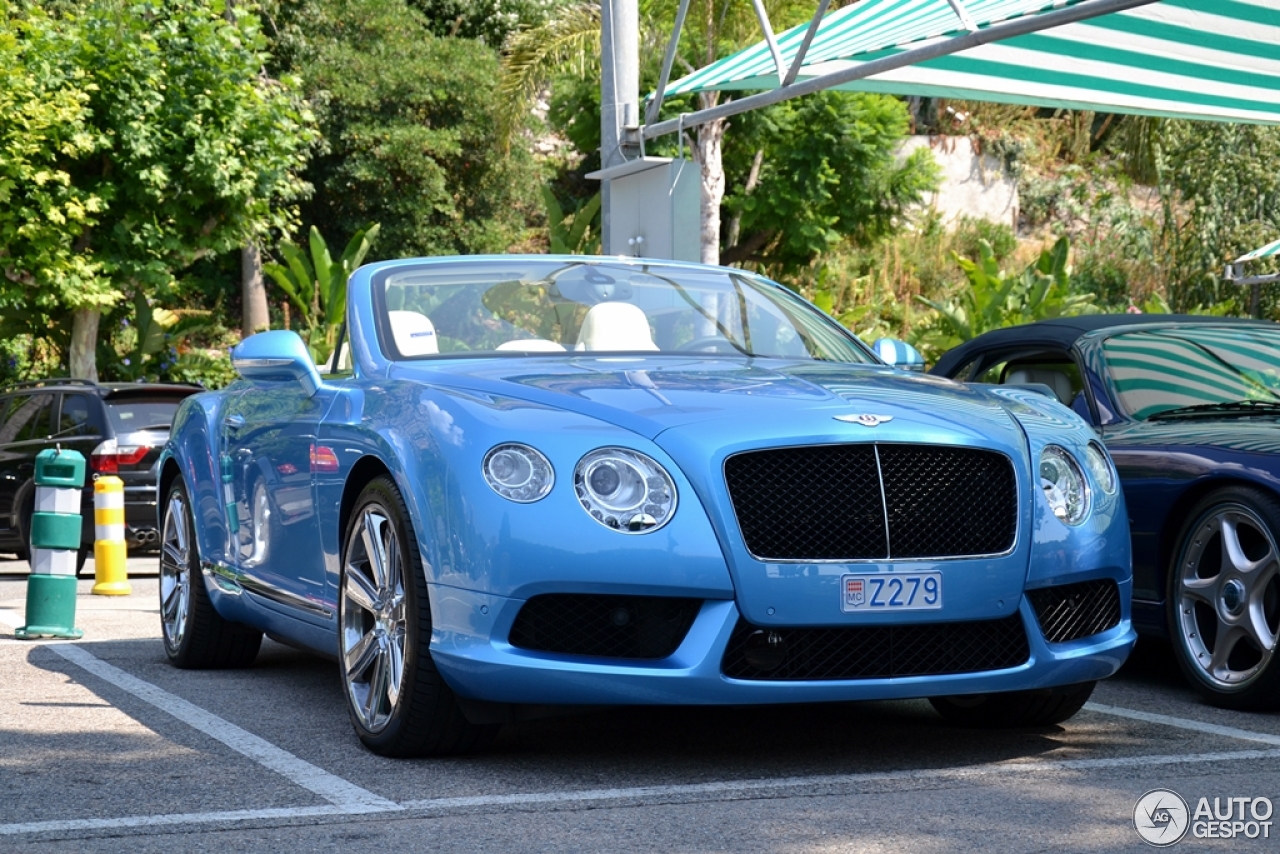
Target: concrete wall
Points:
(972, 186)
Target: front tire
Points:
(1007, 710)
(195, 635)
(1223, 599)
(398, 701)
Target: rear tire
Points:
(398, 701)
(196, 636)
(1036, 707)
(1223, 599)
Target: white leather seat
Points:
(414, 333)
(615, 326)
(532, 345)
(1056, 380)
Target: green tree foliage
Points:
(1222, 187)
(995, 298)
(410, 125)
(489, 21)
(318, 285)
(135, 137)
(572, 233)
(828, 171)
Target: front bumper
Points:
(481, 667)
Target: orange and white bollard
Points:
(110, 571)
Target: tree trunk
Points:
(710, 164)
(753, 178)
(254, 317)
(84, 341)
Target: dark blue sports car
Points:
(564, 480)
(1189, 408)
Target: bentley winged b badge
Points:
(866, 419)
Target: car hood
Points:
(757, 397)
(1246, 434)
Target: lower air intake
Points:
(604, 626)
(875, 652)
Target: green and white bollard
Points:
(55, 540)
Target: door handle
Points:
(233, 422)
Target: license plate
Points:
(897, 591)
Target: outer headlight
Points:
(625, 490)
(1064, 485)
(518, 473)
(1100, 468)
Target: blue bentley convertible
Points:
(533, 481)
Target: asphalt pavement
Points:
(105, 747)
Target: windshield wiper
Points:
(1236, 407)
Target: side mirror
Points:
(900, 354)
(276, 356)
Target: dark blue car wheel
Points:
(399, 704)
(195, 635)
(1224, 599)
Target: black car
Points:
(1189, 409)
(120, 428)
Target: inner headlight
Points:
(518, 473)
(1100, 468)
(1064, 485)
(625, 490)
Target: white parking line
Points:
(348, 797)
(716, 791)
(1185, 723)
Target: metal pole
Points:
(945, 47)
(668, 60)
(619, 95)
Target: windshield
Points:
(556, 305)
(132, 414)
(1163, 370)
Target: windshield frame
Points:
(820, 337)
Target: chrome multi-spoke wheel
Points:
(399, 704)
(1224, 598)
(175, 570)
(195, 634)
(373, 619)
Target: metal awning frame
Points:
(931, 49)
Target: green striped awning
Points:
(1204, 59)
(1261, 252)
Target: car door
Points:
(267, 435)
(24, 434)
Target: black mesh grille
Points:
(1074, 611)
(825, 502)
(880, 652)
(606, 626)
(948, 501)
(809, 503)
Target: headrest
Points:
(414, 333)
(615, 326)
(1056, 380)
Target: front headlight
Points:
(518, 473)
(1064, 485)
(625, 490)
(1100, 468)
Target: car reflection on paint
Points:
(579, 481)
(1189, 408)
